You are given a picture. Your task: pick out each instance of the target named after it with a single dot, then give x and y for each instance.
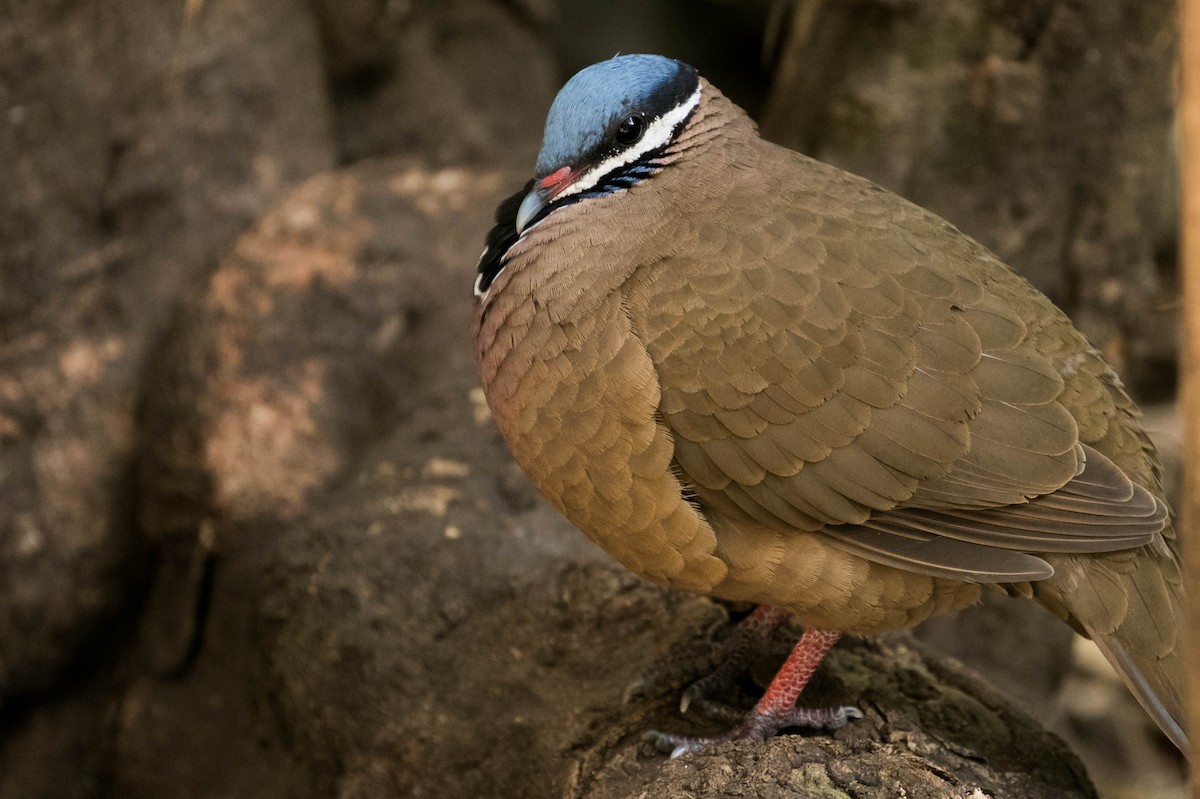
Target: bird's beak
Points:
(544, 191)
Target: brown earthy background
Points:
(257, 534)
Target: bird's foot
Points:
(776, 710)
(721, 664)
(757, 726)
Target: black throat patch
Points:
(502, 236)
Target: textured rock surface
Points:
(138, 142)
(930, 730)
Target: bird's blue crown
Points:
(597, 98)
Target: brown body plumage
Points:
(762, 378)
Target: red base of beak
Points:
(555, 178)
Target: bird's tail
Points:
(1131, 604)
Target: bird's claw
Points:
(694, 692)
(838, 718)
(720, 678)
(756, 726)
(635, 690)
(676, 745)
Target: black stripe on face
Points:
(504, 235)
(665, 98)
(647, 165)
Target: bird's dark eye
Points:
(631, 129)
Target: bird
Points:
(749, 374)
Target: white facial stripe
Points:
(656, 135)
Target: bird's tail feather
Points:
(1152, 685)
(1131, 604)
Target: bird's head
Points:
(609, 128)
(605, 128)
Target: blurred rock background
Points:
(256, 533)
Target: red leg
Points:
(794, 674)
(776, 709)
